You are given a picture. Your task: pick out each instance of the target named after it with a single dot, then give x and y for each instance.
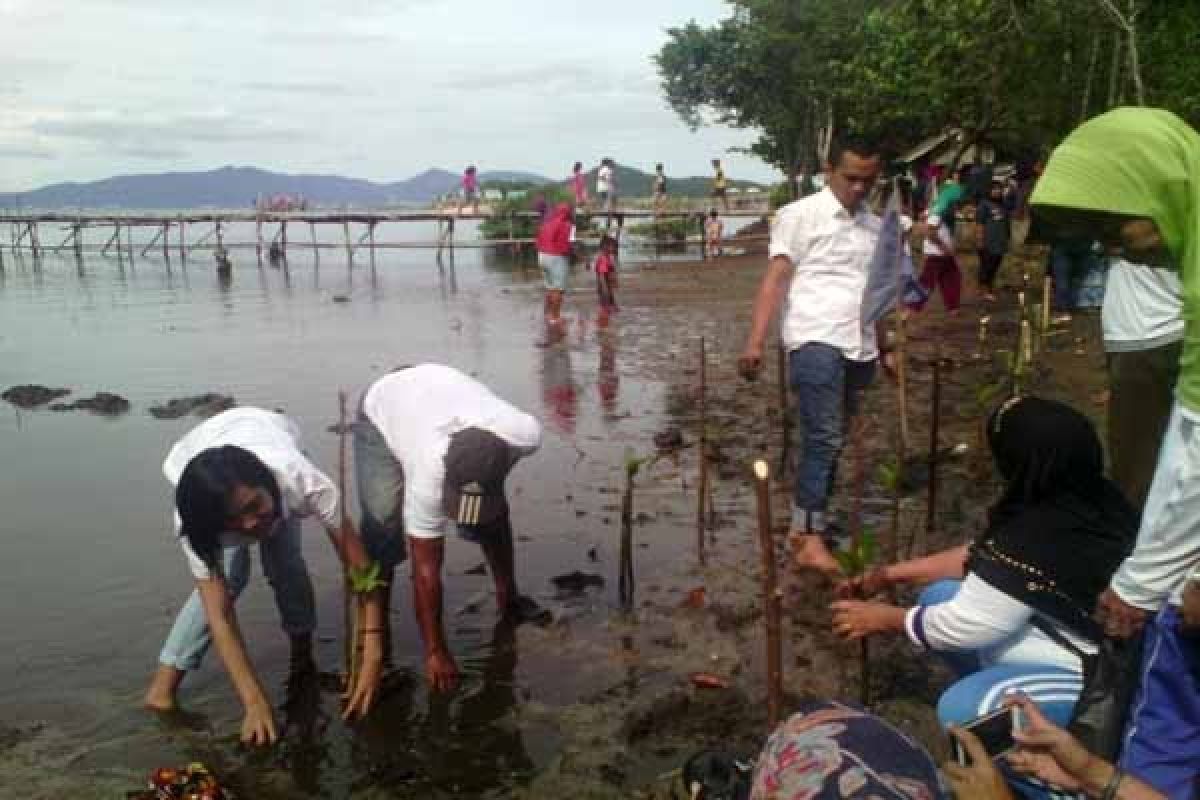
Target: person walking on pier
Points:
(470, 190)
(720, 185)
(606, 188)
(820, 252)
(241, 479)
(659, 189)
(579, 187)
(432, 449)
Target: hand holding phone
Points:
(994, 731)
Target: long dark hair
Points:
(202, 495)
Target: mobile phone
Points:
(993, 730)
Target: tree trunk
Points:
(1135, 67)
(1114, 71)
(1086, 103)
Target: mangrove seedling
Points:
(855, 559)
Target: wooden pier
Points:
(175, 232)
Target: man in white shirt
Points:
(433, 446)
(820, 249)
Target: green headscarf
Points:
(1140, 162)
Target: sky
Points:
(374, 89)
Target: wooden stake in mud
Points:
(1046, 303)
(349, 246)
(312, 233)
(935, 414)
(772, 611)
(349, 606)
(785, 417)
(702, 454)
(182, 239)
(258, 248)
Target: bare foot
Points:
(809, 552)
(160, 696)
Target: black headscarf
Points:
(1061, 529)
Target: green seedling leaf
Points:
(847, 562)
(888, 475)
(365, 579)
(868, 547)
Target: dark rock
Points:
(576, 581)
(32, 396)
(201, 405)
(104, 403)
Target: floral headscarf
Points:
(830, 750)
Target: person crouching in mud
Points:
(433, 447)
(241, 479)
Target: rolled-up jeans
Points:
(827, 388)
(285, 570)
(380, 480)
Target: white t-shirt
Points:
(604, 180)
(938, 232)
(831, 250)
(275, 440)
(1143, 307)
(984, 620)
(417, 410)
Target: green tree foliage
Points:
(1019, 73)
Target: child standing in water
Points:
(470, 190)
(714, 232)
(606, 272)
(579, 186)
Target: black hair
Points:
(658, 166)
(202, 495)
(851, 143)
(578, 165)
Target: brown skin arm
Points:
(351, 552)
(766, 303)
(427, 557)
(258, 723)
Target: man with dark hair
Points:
(433, 447)
(820, 249)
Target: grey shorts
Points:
(380, 481)
(555, 270)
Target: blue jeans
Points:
(285, 570)
(380, 480)
(828, 388)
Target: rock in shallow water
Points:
(100, 403)
(32, 395)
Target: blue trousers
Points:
(981, 690)
(284, 567)
(828, 388)
(1162, 742)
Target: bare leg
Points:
(497, 546)
(809, 552)
(160, 696)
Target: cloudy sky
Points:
(376, 89)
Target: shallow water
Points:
(93, 577)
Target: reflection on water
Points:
(87, 512)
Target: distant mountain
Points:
(237, 187)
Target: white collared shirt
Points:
(830, 249)
(417, 410)
(274, 440)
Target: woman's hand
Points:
(258, 724)
(871, 583)
(441, 671)
(978, 780)
(1118, 618)
(361, 695)
(854, 619)
(1048, 752)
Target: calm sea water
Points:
(92, 576)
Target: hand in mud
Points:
(361, 695)
(441, 671)
(258, 725)
(979, 779)
(1191, 607)
(1118, 618)
(750, 364)
(854, 619)
(889, 362)
(871, 583)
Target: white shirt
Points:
(1143, 307)
(830, 249)
(417, 410)
(604, 179)
(275, 440)
(996, 626)
(938, 232)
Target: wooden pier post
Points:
(283, 238)
(166, 240)
(772, 606)
(34, 241)
(258, 237)
(371, 234)
(129, 242)
(312, 232)
(349, 246)
(182, 239)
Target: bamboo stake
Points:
(349, 606)
(1046, 303)
(166, 240)
(312, 232)
(625, 586)
(182, 239)
(258, 223)
(771, 601)
(349, 246)
(935, 412)
(702, 455)
(785, 417)
(902, 381)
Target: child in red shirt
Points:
(606, 272)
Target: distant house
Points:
(940, 149)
